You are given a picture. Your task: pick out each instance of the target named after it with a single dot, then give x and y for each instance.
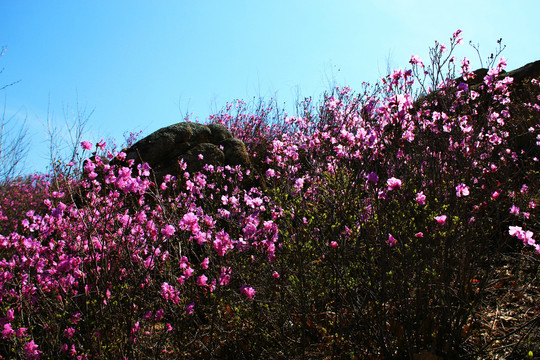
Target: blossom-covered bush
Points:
(378, 229)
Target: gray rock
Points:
(197, 144)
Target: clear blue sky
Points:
(143, 64)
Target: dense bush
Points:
(380, 225)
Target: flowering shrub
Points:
(379, 227)
(20, 196)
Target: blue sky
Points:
(142, 65)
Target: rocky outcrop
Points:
(526, 72)
(529, 71)
(197, 144)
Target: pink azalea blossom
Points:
(168, 230)
(190, 222)
(21, 332)
(421, 198)
(334, 244)
(190, 309)
(101, 144)
(441, 219)
(31, 351)
(502, 63)
(462, 190)
(514, 210)
(159, 315)
(136, 327)
(528, 238)
(224, 277)
(183, 263)
(7, 331)
(201, 280)
(10, 316)
(86, 145)
(391, 240)
(247, 291)
(415, 59)
(525, 236)
(393, 183)
(270, 173)
(457, 37)
(69, 332)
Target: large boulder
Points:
(197, 144)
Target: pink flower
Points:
(495, 139)
(168, 230)
(188, 272)
(168, 292)
(525, 236)
(86, 145)
(224, 277)
(462, 190)
(270, 173)
(190, 222)
(10, 316)
(101, 144)
(515, 230)
(275, 275)
(247, 291)
(334, 244)
(69, 332)
(441, 219)
(183, 263)
(135, 328)
(419, 235)
(502, 63)
(421, 198)
(21, 332)
(31, 351)
(190, 308)
(148, 315)
(201, 280)
(528, 238)
(393, 183)
(415, 59)
(7, 331)
(159, 314)
(204, 263)
(457, 37)
(514, 210)
(391, 240)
